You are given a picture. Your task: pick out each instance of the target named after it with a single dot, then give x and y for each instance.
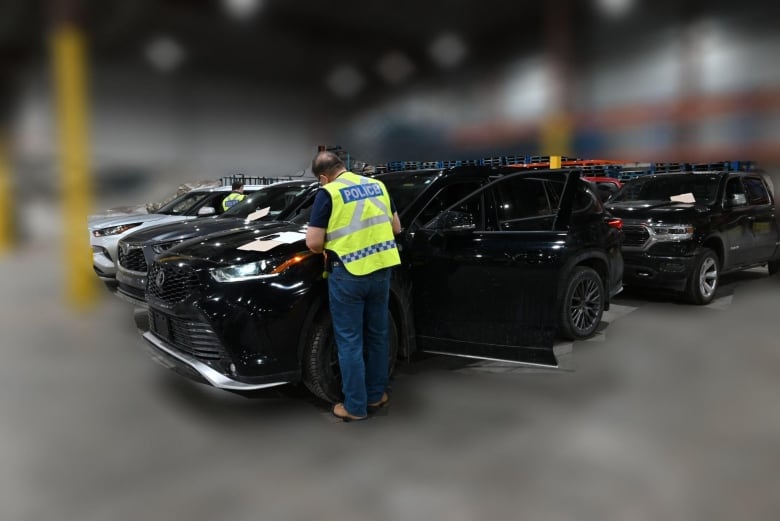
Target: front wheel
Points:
(704, 279)
(320, 361)
(583, 304)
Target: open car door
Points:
(485, 271)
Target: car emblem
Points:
(160, 279)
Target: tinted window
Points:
(274, 198)
(445, 198)
(183, 204)
(520, 199)
(756, 191)
(404, 187)
(703, 188)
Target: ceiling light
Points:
(242, 9)
(165, 53)
(395, 67)
(614, 8)
(345, 81)
(448, 50)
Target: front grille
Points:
(193, 338)
(132, 258)
(635, 236)
(170, 283)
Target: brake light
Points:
(616, 223)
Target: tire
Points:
(320, 364)
(703, 282)
(773, 266)
(583, 304)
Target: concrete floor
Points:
(670, 413)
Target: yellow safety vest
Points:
(231, 200)
(360, 228)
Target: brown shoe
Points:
(340, 412)
(381, 403)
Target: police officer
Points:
(354, 222)
(236, 196)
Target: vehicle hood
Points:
(661, 210)
(275, 238)
(106, 222)
(181, 231)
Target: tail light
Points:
(615, 222)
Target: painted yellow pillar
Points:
(6, 197)
(70, 85)
(556, 135)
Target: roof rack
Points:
(620, 170)
(511, 160)
(254, 180)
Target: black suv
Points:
(494, 263)
(137, 251)
(682, 231)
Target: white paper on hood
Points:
(259, 214)
(260, 245)
(683, 198)
(290, 237)
(273, 241)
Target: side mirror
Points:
(736, 200)
(206, 210)
(456, 221)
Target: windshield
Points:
(183, 204)
(403, 188)
(694, 188)
(266, 203)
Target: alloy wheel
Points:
(585, 304)
(708, 277)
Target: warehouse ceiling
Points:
(346, 46)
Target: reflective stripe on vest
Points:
(351, 193)
(360, 228)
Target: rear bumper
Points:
(657, 272)
(192, 368)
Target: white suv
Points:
(105, 232)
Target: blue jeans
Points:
(359, 307)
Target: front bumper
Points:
(657, 271)
(198, 371)
(131, 286)
(103, 266)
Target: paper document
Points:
(259, 214)
(272, 241)
(683, 198)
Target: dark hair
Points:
(324, 162)
(237, 185)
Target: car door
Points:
(485, 272)
(736, 224)
(763, 224)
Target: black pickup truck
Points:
(682, 231)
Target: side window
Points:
(523, 202)
(734, 187)
(756, 191)
(445, 198)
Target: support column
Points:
(70, 86)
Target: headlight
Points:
(163, 247)
(115, 230)
(257, 270)
(672, 232)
